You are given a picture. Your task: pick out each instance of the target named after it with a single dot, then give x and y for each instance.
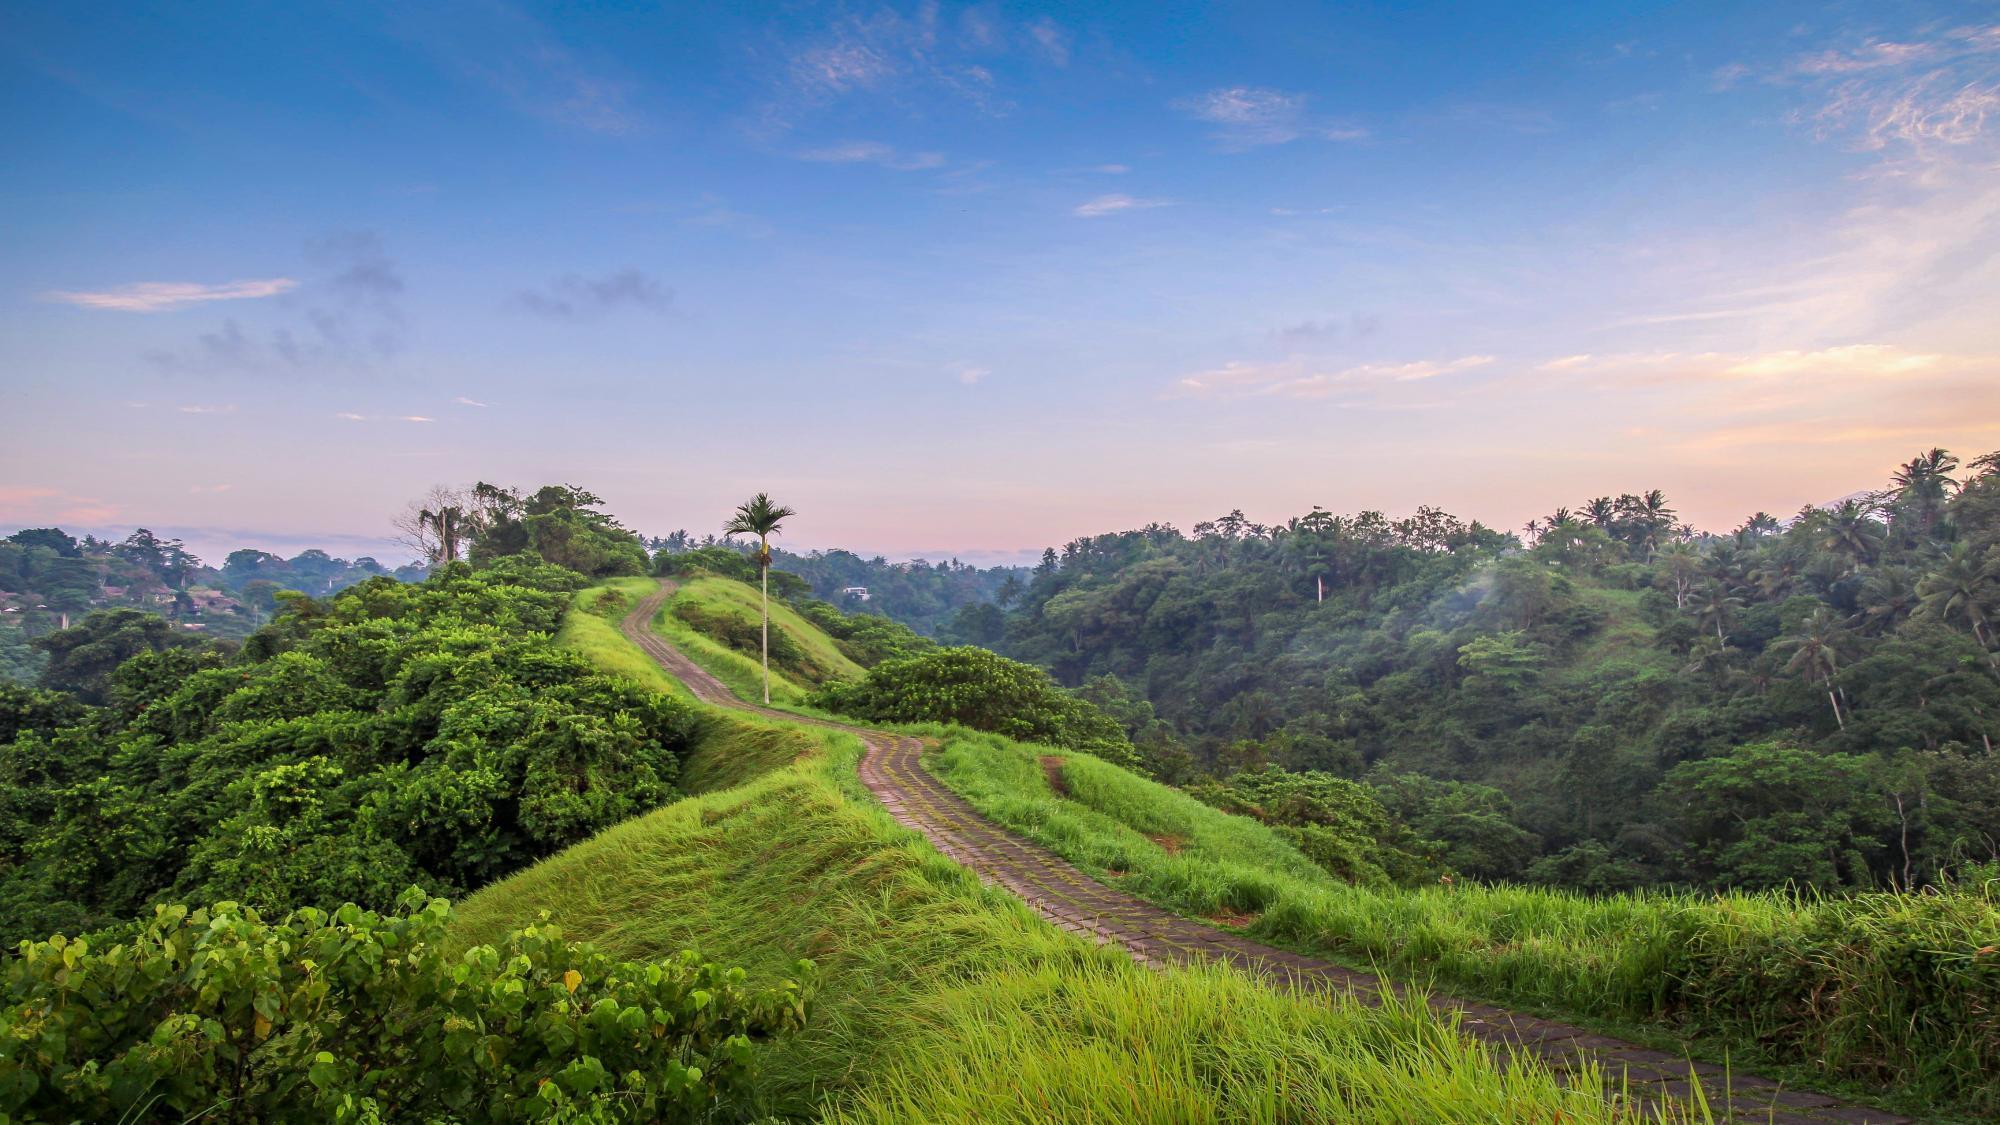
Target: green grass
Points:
(1879, 993)
(591, 628)
(938, 999)
(741, 672)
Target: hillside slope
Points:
(942, 1000)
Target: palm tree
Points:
(1962, 586)
(1925, 483)
(1814, 655)
(1717, 606)
(1853, 531)
(762, 518)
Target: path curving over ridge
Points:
(892, 769)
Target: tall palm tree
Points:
(1815, 656)
(1963, 586)
(1925, 483)
(762, 518)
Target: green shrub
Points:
(217, 1015)
(984, 691)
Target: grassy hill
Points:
(715, 621)
(1820, 989)
(939, 999)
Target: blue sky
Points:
(977, 279)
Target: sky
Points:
(975, 279)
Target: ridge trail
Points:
(892, 769)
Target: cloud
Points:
(573, 295)
(1357, 325)
(1114, 203)
(874, 152)
(33, 505)
(164, 296)
(1052, 39)
(227, 408)
(1809, 368)
(1248, 117)
(351, 416)
(970, 375)
(916, 58)
(1295, 378)
(347, 314)
(508, 51)
(461, 400)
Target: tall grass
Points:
(941, 1000)
(1899, 992)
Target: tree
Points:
(447, 526)
(1924, 484)
(1815, 656)
(82, 659)
(762, 518)
(1962, 588)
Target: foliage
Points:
(557, 524)
(1590, 679)
(920, 594)
(218, 1014)
(1337, 823)
(82, 658)
(394, 734)
(931, 988)
(866, 638)
(1893, 989)
(981, 690)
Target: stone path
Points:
(893, 770)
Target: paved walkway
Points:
(893, 770)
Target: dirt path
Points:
(893, 770)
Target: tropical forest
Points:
(871, 562)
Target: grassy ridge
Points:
(941, 1000)
(1898, 992)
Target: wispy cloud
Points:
(351, 416)
(225, 408)
(1114, 203)
(505, 49)
(165, 296)
(574, 296)
(1297, 378)
(970, 375)
(462, 400)
(349, 314)
(414, 418)
(874, 152)
(1052, 39)
(1248, 117)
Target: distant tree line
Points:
(1608, 699)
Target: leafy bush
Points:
(981, 690)
(1338, 824)
(867, 638)
(218, 1015)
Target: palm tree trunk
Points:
(764, 581)
(1842, 723)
